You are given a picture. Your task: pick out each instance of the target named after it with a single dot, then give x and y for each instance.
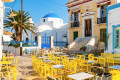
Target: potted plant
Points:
(83, 48)
(24, 52)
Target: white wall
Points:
(30, 35)
(1, 26)
(113, 19)
(14, 50)
(53, 26)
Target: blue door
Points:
(45, 42)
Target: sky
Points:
(39, 8)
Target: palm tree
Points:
(15, 23)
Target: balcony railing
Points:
(75, 24)
(101, 20)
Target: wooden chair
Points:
(72, 68)
(57, 61)
(96, 59)
(102, 61)
(15, 74)
(55, 73)
(110, 61)
(115, 74)
(13, 68)
(90, 57)
(104, 55)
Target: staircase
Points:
(82, 41)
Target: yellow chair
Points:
(50, 56)
(55, 73)
(102, 61)
(96, 59)
(15, 75)
(4, 64)
(13, 68)
(62, 58)
(86, 67)
(114, 74)
(66, 58)
(90, 57)
(65, 63)
(110, 61)
(78, 56)
(44, 71)
(38, 65)
(7, 58)
(58, 60)
(104, 55)
(82, 57)
(72, 68)
(118, 77)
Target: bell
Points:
(7, 0)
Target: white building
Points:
(1, 26)
(113, 28)
(30, 37)
(52, 25)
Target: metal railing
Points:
(75, 24)
(101, 20)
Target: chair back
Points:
(96, 59)
(102, 61)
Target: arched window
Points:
(27, 40)
(43, 20)
(35, 38)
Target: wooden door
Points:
(88, 28)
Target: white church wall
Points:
(55, 27)
(113, 19)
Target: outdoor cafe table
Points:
(58, 66)
(47, 60)
(65, 55)
(42, 57)
(115, 67)
(89, 61)
(80, 76)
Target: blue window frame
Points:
(117, 38)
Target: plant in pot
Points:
(24, 52)
(83, 48)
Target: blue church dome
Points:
(52, 15)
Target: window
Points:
(103, 10)
(75, 35)
(35, 38)
(117, 38)
(103, 35)
(75, 16)
(43, 20)
(27, 40)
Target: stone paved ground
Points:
(24, 68)
(25, 71)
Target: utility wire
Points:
(56, 3)
(14, 4)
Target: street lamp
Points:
(11, 14)
(7, 0)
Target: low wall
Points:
(16, 51)
(12, 49)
